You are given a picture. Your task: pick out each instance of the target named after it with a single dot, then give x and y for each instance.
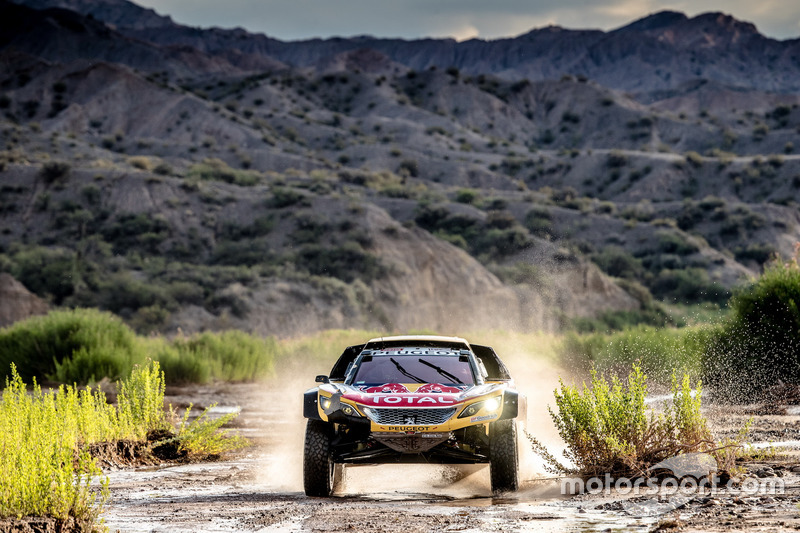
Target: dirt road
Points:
(260, 490)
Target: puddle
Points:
(776, 444)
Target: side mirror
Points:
(322, 379)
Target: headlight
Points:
(325, 403)
(492, 404)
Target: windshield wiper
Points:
(405, 372)
(442, 371)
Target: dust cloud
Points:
(284, 425)
(284, 430)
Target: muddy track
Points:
(260, 489)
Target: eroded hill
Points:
(194, 184)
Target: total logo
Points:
(412, 400)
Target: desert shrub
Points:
(539, 221)
(347, 262)
(759, 345)
(230, 356)
(91, 194)
(202, 436)
(54, 170)
(690, 285)
(235, 303)
(616, 159)
(608, 428)
(674, 243)
(44, 474)
(47, 439)
(569, 116)
(149, 319)
(694, 159)
(286, 197)
(218, 170)
(642, 211)
(123, 294)
(163, 169)
(657, 350)
(70, 346)
(408, 167)
(521, 273)
(608, 321)
(618, 262)
(136, 230)
(758, 252)
(309, 228)
(606, 208)
(496, 242)
(85, 345)
(141, 162)
(260, 227)
(468, 196)
(246, 252)
(760, 131)
(47, 272)
(500, 219)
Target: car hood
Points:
(411, 394)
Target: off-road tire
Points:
(318, 465)
(503, 458)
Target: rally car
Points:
(412, 399)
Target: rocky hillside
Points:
(208, 178)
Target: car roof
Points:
(420, 338)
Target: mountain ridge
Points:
(215, 186)
(710, 45)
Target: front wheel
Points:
(318, 467)
(503, 458)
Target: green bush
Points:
(347, 262)
(230, 356)
(521, 273)
(658, 350)
(621, 320)
(47, 272)
(539, 221)
(619, 263)
(468, 196)
(124, 294)
(218, 170)
(47, 439)
(44, 474)
(609, 429)
(759, 345)
(688, 285)
(246, 252)
(85, 345)
(675, 243)
(70, 346)
(136, 230)
(285, 197)
(54, 170)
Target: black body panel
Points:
(348, 356)
(494, 366)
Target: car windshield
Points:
(409, 365)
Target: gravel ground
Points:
(260, 489)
